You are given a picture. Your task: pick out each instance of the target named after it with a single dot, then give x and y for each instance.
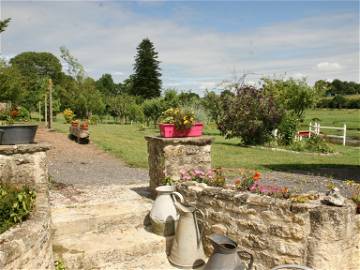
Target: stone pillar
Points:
(167, 156)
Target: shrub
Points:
(250, 115)
(287, 129)
(338, 102)
(23, 114)
(15, 205)
(313, 144)
(317, 144)
(68, 115)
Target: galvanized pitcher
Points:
(163, 214)
(187, 249)
(226, 255)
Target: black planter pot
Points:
(17, 134)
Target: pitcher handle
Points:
(177, 194)
(249, 255)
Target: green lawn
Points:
(336, 118)
(127, 142)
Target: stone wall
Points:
(167, 156)
(277, 231)
(27, 245)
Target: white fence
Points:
(315, 128)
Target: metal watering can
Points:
(187, 249)
(163, 214)
(226, 255)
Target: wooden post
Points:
(39, 106)
(45, 106)
(344, 138)
(50, 87)
(310, 130)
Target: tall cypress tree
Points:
(4, 24)
(147, 82)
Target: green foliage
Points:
(153, 109)
(59, 265)
(292, 95)
(4, 24)
(124, 107)
(250, 115)
(15, 205)
(107, 86)
(183, 119)
(287, 129)
(314, 144)
(146, 80)
(12, 85)
(212, 104)
(338, 87)
(88, 100)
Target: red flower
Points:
(256, 176)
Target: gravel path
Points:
(85, 164)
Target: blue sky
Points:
(200, 44)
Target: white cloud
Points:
(326, 66)
(104, 38)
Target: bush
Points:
(250, 115)
(15, 205)
(68, 115)
(287, 129)
(313, 144)
(338, 102)
(23, 114)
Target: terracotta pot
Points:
(84, 126)
(170, 131)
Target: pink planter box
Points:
(169, 131)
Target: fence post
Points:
(310, 130)
(344, 138)
(318, 129)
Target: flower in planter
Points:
(182, 119)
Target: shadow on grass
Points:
(336, 171)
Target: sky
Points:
(200, 43)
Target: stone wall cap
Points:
(202, 140)
(24, 148)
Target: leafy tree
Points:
(107, 86)
(89, 100)
(153, 109)
(250, 114)
(11, 85)
(338, 87)
(146, 82)
(122, 106)
(291, 95)
(212, 104)
(35, 68)
(36, 65)
(74, 68)
(4, 24)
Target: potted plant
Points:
(12, 127)
(176, 122)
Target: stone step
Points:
(82, 218)
(96, 250)
(153, 261)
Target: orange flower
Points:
(256, 176)
(237, 182)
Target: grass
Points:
(127, 142)
(335, 118)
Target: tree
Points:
(153, 109)
(74, 68)
(291, 95)
(35, 65)
(212, 104)
(107, 86)
(250, 114)
(146, 82)
(11, 85)
(4, 24)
